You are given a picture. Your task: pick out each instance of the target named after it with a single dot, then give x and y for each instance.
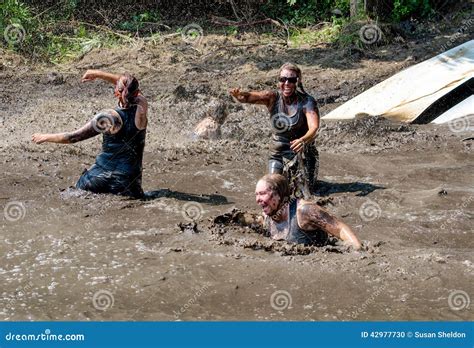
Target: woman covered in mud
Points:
(297, 221)
(295, 121)
(118, 168)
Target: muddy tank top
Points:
(299, 236)
(123, 152)
(286, 128)
(295, 234)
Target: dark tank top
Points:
(296, 234)
(286, 128)
(123, 152)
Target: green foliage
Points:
(329, 33)
(65, 9)
(61, 48)
(302, 12)
(343, 5)
(231, 30)
(16, 22)
(139, 20)
(53, 32)
(48, 39)
(13, 11)
(403, 9)
(294, 12)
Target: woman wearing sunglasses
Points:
(294, 118)
(118, 168)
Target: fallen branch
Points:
(104, 28)
(226, 22)
(252, 44)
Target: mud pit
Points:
(65, 255)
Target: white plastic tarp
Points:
(405, 95)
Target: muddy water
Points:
(66, 255)
(412, 208)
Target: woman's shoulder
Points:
(305, 97)
(309, 103)
(273, 93)
(141, 100)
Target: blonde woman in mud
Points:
(296, 221)
(118, 168)
(295, 120)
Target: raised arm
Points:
(141, 119)
(109, 123)
(91, 75)
(311, 217)
(255, 97)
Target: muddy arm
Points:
(312, 117)
(107, 124)
(261, 97)
(311, 217)
(141, 120)
(83, 133)
(91, 75)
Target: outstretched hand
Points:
(235, 92)
(90, 75)
(39, 138)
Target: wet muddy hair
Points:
(278, 184)
(297, 70)
(126, 89)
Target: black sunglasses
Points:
(283, 79)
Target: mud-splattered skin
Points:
(106, 123)
(311, 217)
(83, 133)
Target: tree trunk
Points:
(354, 8)
(378, 8)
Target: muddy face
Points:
(287, 87)
(266, 199)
